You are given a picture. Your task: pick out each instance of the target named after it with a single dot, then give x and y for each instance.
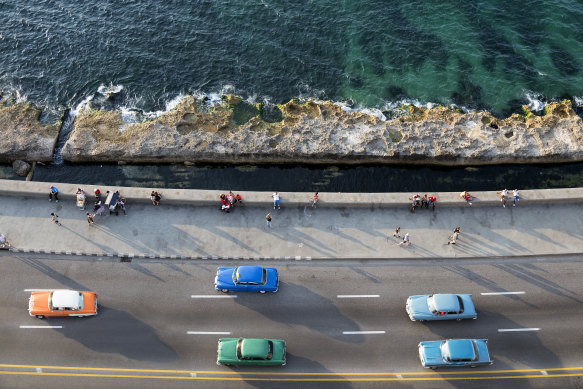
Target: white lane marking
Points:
(207, 333)
(213, 296)
(499, 293)
(544, 372)
(399, 376)
(362, 332)
(39, 290)
(193, 374)
(517, 329)
(356, 296)
(39, 370)
(41, 326)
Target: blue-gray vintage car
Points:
(454, 353)
(441, 307)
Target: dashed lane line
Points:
(207, 333)
(41, 326)
(517, 329)
(499, 293)
(362, 332)
(356, 296)
(213, 296)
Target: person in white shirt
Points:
(516, 197)
(275, 200)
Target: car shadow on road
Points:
(117, 332)
(508, 350)
(298, 365)
(291, 309)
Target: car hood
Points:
(272, 278)
(225, 276)
(39, 301)
(227, 348)
(418, 305)
(432, 352)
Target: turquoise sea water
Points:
(489, 54)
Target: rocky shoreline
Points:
(299, 132)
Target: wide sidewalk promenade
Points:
(189, 224)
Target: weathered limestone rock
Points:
(21, 168)
(23, 136)
(321, 132)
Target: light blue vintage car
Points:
(441, 307)
(454, 353)
(247, 279)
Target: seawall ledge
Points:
(261, 199)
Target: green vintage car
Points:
(251, 352)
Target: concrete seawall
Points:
(327, 199)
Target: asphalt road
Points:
(147, 310)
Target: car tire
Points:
(262, 291)
(473, 366)
(433, 368)
(225, 290)
(458, 319)
(40, 317)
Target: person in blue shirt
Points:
(54, 193)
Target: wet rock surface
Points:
(23, 136)
(322, 132)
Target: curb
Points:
(127, 257)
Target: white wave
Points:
(82, 106)
(109, 90)
(578, 101)
(535, 101)
(170, 105)
(369, 111)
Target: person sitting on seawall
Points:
(467, 196)
(155, 197)
(225, 204)
(432, 200)
(4, 242)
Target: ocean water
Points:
(492, 54)
(483, 54)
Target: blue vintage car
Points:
(454, 352)
(441, 307)
(247, 279)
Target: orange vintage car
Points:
(56, 303)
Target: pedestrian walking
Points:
(4, 243)
(405, 240)
(315, 200)
(54, 192)
(454, 237)
(275, 200)
(268, 219)
(503, 193)
(516, 197)
(90, 217)
(55, 218)
(396, 233)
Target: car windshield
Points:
(264, 278)
(459, 299)
(431, 305)
(239, 343)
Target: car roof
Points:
(65, 299)
(461, 349)
(446, 302)
(249, 273)
(254, 348)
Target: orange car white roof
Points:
(65, 299)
